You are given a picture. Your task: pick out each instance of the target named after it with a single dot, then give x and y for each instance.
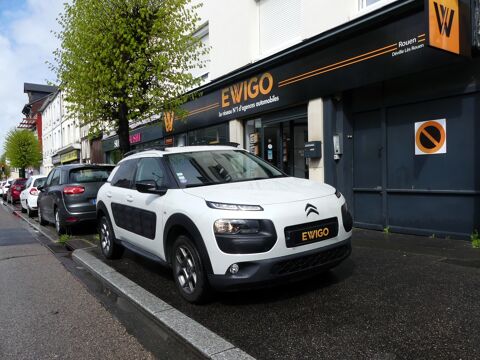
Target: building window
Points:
(202, 72)
(368, 5)
(279, 24)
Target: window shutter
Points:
(280, 22)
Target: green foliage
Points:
(22, 149)
(123, 61)
(63, 238)
(386, 230)
(475, 238)
(3, 162)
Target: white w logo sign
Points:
(444, 18)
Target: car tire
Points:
(30, 212)
(110, 248)
(189, 272)
(22, 208)
(59, 227)
(41, 220)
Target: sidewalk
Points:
(459, 252)
(45, 312)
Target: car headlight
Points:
(223, 206)
(236, 226)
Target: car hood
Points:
(262, 192)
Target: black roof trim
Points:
(29, 87)
(362, 23)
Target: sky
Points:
(26, 43)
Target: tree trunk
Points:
(123, 129)
(21, 172)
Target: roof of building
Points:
(29, 87)
(49, 100)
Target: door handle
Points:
(129, 198)
(108, 194)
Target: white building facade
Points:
(61, 134)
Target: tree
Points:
(123, 61)
(5, 168)
(22, 149)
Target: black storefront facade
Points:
(367, 91)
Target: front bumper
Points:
(283, 269)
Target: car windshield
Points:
(20, 182)
(219, 166)
(86, 175)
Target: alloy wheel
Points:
(57, 222)
(185, 269)
(105, 236)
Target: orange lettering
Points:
(266, 90)
(225, 101)
(236, 92)
(253, 88)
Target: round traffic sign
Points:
(430, 137)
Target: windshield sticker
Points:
(182, 178)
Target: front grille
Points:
(310, 261)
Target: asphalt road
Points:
(385, 302)
(397, 297)
(45, 312)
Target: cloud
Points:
(26, 43)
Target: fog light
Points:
(234, 269)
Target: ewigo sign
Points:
(444, 25)
(358, 58)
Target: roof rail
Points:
(227, 143)
(131, 152)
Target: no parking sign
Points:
(431, 137)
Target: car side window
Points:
(124, 175)
(150, 169)
(49, 178)
(55, 178)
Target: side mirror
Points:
(150, 187)
(40, 187)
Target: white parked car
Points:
(2, 183)
(29, 196)
(221, 218)
(5, 188)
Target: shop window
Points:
(181, 140)
(208, 136)
(279, 24)
(252, 136)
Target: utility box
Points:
(313, 150)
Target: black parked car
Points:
(69, 195)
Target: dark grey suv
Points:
(69, 195)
